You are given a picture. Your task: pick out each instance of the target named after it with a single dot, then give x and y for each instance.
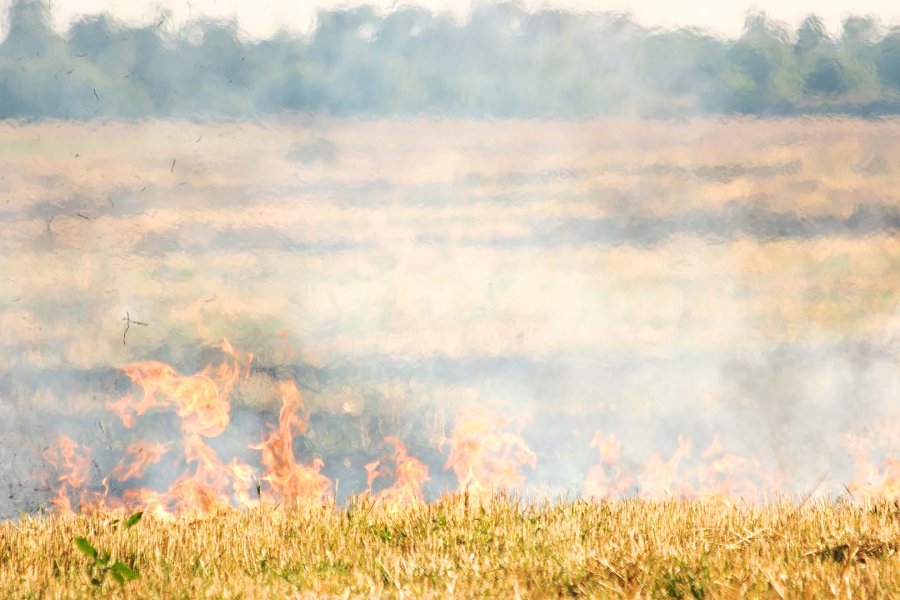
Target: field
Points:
(666, 324)
(457, 548)
(643, 279)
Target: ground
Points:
(458, 547)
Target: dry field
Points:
(643, 279)
(638, 238)
(641, 306)
(457, 548)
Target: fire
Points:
(731, 476)
(660, 478)
(206, 484)
(607, 480)
(201, 401)
(409, 476)
(291, 482)
(72, 463)
(719, 475)
(142, 455)
(483, 456)
(869, 481)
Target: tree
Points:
(859, 31)
(811, 35)
(827, 76)
(30, 34)
(887, 59)
(762, 76)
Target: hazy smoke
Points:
(637, 277)
(503, 61)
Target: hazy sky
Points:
(259, 18)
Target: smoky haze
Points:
(408, 215)
(503, 61)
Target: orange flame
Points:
(483, 456)
(731, 476)
(200, 400)
(660, 478)
(869, 481)
(409, 475)
(721, 475)
(72, 462)
(483, 453)
(208, 485)
(291, 482)
(143, 455)
(606, 480)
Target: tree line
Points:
(503, 61)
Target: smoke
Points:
(502, 61)
(640, 278)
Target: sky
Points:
(260, 18)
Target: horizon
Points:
(255, 21)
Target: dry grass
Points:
(455, 548)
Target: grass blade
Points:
(85, 547)
(124, 570)
(134, 519)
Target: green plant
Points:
(103, 563)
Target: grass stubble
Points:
(456, 547)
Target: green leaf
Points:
(118, 578)
(125, 571)
(134, 519)
(85, 547)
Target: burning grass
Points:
(458, 547)
(484, 451)
(749, 237)
(693, 532)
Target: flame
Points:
(409, 475)
(286, 344)
(483, 456)
(201, 401)
(206, 484)
(142, 454)
(660, 478)
(606, 480)
(72, 463)
(291, 482)
(730, 476)
(869, 481)
(214, 486)
(721, 475)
